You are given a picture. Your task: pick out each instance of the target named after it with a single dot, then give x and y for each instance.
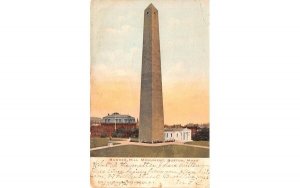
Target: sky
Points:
(116, 58)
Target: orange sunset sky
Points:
(116, 58)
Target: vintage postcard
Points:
(149, 102)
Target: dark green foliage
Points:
(124, 133)
(201, 134)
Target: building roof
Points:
(117, 115)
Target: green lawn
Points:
(148, 151)
(98, 142)
(119, 139)
(198, 143)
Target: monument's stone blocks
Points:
(151, 103)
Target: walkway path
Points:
(127, 142)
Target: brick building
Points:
(95, 121)
(112, 123)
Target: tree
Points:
(201, 134)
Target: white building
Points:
(178, 134)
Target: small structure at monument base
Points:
(178, 135)
(110, 144)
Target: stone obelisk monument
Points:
(151, 128)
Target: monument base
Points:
(152, 141)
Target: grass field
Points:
(148, 151)
(198, 143)
(98, 142)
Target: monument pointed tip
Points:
(151, 6)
